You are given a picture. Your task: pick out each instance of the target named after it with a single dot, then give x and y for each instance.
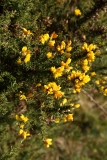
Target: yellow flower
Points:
(77, 12)
(88, 48)
(17, 117)
(68, 61)
(58, 94)
(51, 88)
(51, 43)
(77, 90)
(23, 118)
(26, 32)
(59, 72)
(70, 117)
(24, 51)
(85, 68)
(48, 142)
(27, 58)
(44, 38)
(63, 102)
(97, 82)
(64, 119)
(23, 97)
(53, 35)
(86, 79)
(53, 69)
(93, 73)
(38, 84)
(91, 56)
(69, 43)
(21, 126)
(21, 131)
(71, 104)
(92, 47)
(77, 105)
(85, 62)
(68, 49)
(98, 52)
(63, 45)
(25, 134)
(68, 55)
(85, 46)
(56, 120)
(102, 88)
(19, 61)
(58, 48)
(30, 95)
(49, 55)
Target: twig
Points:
(104, 104)
(95, 102)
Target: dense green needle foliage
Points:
(52, 55)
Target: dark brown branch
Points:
(94, 101)
(99, 4)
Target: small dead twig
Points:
(94, 101)
(104, 104)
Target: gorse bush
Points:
(51, 51)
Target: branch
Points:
(95, 102)
(99, 4)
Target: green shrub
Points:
(50, 53)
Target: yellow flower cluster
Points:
(89, 49)
(68, 117)
(53, 88)
(58, 72)
(23, 119)
(26, 53)
(102, 84)
(97, 81)
(79, 79)
(64, 48)
(49, 55)
(77, 105)
(77, 12)
(26, 32)
(104, 90)
(64, 101)
(48, 142)
(101, 81)
(65, 118)
(67, 68)
(51, 43)
(23, 97)
(85, 66)
(45, 37)
(93, 73)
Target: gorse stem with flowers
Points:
(62, 76)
